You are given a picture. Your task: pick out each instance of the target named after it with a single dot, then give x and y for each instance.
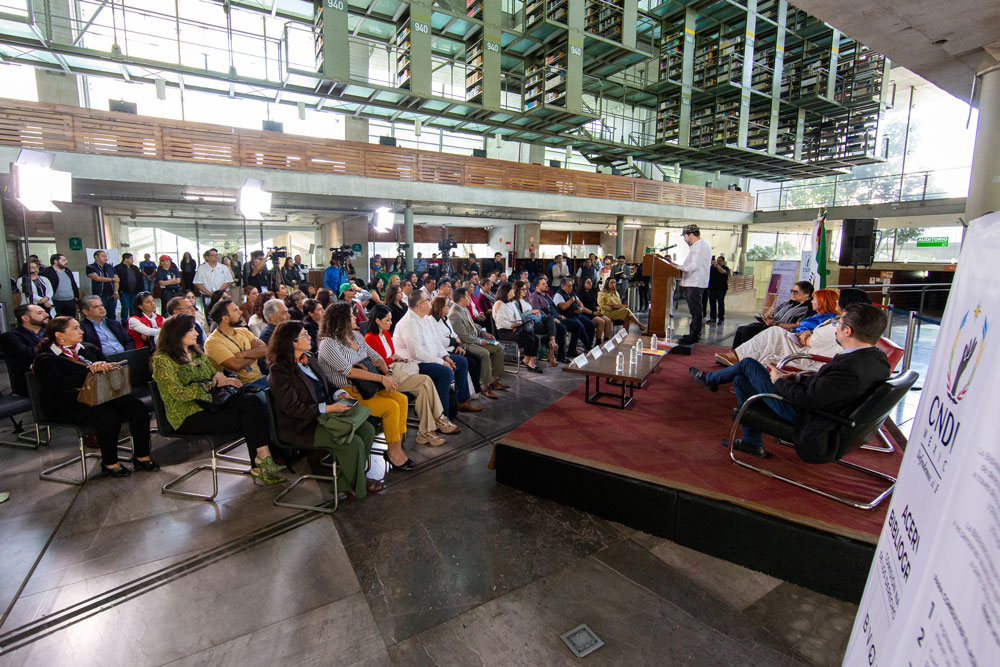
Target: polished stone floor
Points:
(444, 567)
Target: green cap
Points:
(345, 286)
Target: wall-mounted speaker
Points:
(857, 242)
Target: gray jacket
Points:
(464, 327)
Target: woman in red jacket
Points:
(145, 325)
(408, 377)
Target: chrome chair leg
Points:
(223, 455)
(25, 440)
(886, 446)
(324, 508)
(81, 458)
(170, 490)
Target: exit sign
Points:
(932, 242)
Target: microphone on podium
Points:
(673, 245)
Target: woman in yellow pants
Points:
(344, 357)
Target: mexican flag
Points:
(813, 267)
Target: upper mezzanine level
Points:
(98, 142)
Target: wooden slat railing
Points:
(55, 127)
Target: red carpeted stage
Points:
(658, 466)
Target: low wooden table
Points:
(631, 378)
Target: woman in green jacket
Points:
(185, 375)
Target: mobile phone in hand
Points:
(349, 402)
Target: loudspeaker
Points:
(478, 152)
(857, 242)
(387, 141)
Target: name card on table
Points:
(609, 346)
(620, 336)
(597, 352)
(580, 360)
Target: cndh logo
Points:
(972, 342)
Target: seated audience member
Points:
(377, 292)
(611, 306)
(106, 334)
(416, 339)
(588, 299)
(234, 348)
(310, 290)
(348, 292)
(249, 306)
(183, 305)
(439, 312)
(342, 355)
(186, 377)
(570, 306)
(543, 303)
(477, 341)
(62, 363)
(838, 387)
(294, 305)
(257, 321)
(545, 327)
(325, 297)
(427, 403)
(36, 288)
(145, 325)
(510, 326)
(430, 284)
(444, 289)
(19, 344)
(786, 316)
(775, 343)
(275, 312)
(307, 409)
(486, 301)
(199, 316)
(312, 317)
(395, 301)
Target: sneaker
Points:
(266, 478)
(268, 464)
(699, 377)
(429, 439)
(445, 426)
(709, 321)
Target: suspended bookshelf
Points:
(605, 18)
(474, 72)
(668, 119)
(402, 43)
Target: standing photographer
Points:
(334, 276)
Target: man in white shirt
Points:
(211, 276)
(694, 280)
(417, 339)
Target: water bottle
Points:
(620, 363)
(653, 343)
(632, 356)
(638, 347)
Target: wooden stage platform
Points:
(658, 466)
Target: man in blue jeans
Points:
(837, 388)
(417, 339)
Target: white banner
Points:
(784, 273)
(933, 592)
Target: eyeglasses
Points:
(795, 290)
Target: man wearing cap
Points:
(694, 279)
(168, 277)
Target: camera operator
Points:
(335, 274)
(257, 274)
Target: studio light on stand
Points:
(253, 204)
(384, 219)
(37, 185)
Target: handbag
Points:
(527, 319)
(367, 388)
(401, 370)
(99, 388)
(220, 397)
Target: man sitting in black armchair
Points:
(103, 332)
(838, 387)
(19, 343)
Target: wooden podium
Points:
(661, 281)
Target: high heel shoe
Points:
(409, 465)
(145, 466)
(120, 471)
(266, 478)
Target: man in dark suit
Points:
(838, 387)
(105, 333)
(19, 343)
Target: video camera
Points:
(447, 245)
(341, 253)
(278, 252)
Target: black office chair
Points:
(855, 430)
(276, 439)
(217, 442)
(12, 405)
(82, 432)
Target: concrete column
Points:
(741, 265)
(330, 235)
(356, 232)
(984, 181)
(620, 238)
(356, 129)
(52, 17)
(408, 235)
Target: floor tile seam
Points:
(97, 604)
(776, 641)
(263, 628)
(38, 559)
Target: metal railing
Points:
(882, 293)
(838, 191)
